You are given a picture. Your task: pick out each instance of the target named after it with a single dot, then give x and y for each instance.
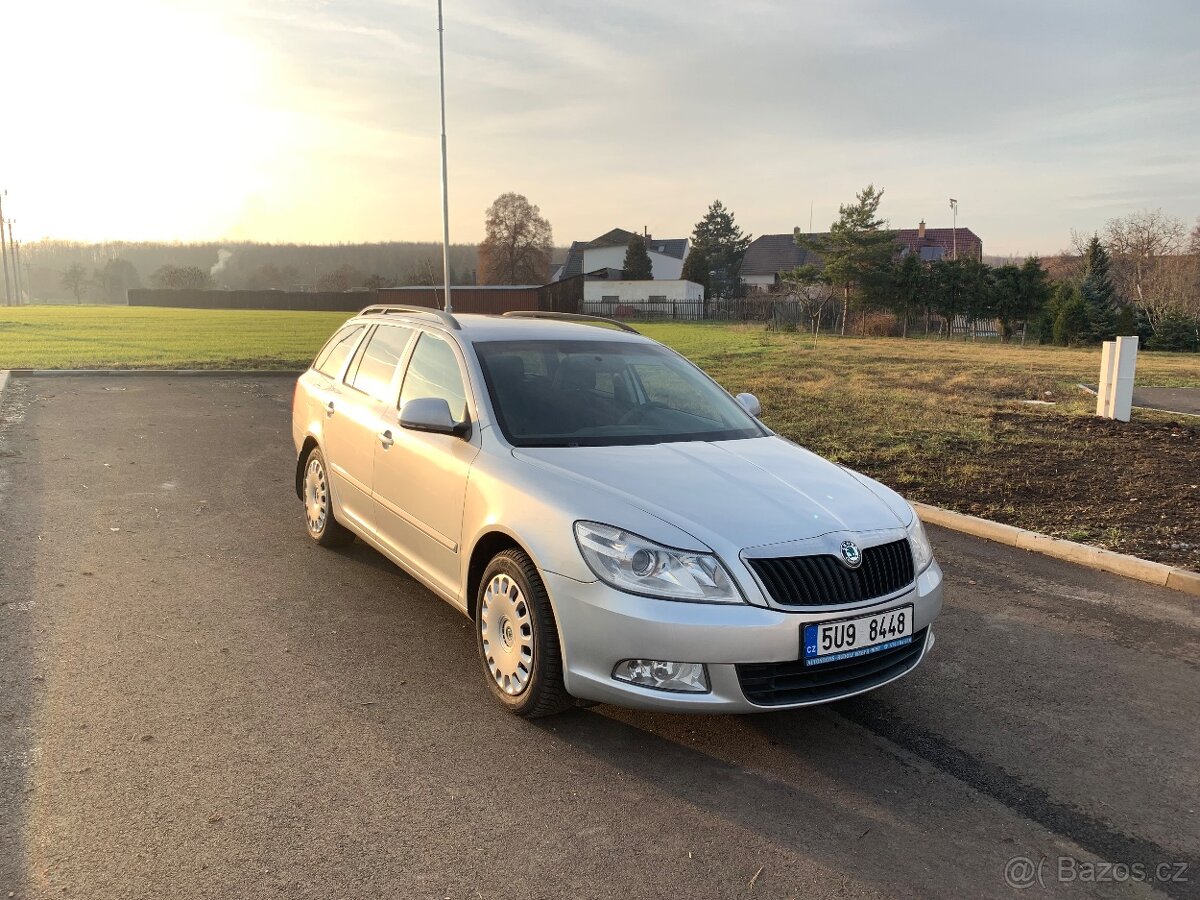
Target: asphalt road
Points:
(196, 702)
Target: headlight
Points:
(921, 550)
(634, 564)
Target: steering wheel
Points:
(635, 415)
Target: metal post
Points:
(4, 248)
(954, 230)
(445, 176)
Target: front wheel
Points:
(318, 504)
(518, 638)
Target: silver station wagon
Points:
(618, 527)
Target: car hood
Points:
(749, 492)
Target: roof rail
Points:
(385, 308)
(569, 317)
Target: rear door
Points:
(367, 389)
(421, 478)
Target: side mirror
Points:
(750, 404)
(431, 414)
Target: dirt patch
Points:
(1130, 487)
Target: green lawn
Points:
(940, 421)
(63, 337)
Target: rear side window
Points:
(433, 372)
(379, 361)
(333, 356)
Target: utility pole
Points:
(24, 278)
(4, 248)
(12, 250)
(445, 175)
(954, 230)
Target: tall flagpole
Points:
(445, 177)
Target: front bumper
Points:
(600, 626)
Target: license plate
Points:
(826, 642)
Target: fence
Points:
(655, 308)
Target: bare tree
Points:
(811, 289)
(517, 247)
(1146, 246)
(75, 279)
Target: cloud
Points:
(1040, 117)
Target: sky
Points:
(317, 120)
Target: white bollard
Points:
(1108, 368)
(1120, 399)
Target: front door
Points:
(421, 478)
(356, 411)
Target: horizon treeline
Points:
(239, 265)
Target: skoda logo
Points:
(850, 554)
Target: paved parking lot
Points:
(196, 702)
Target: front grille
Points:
(778, 684)
(824, 580)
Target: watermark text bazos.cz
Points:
(1022, 872)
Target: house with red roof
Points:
(770, 254)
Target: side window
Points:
(433, 372)
(330, 360)
(379, 361)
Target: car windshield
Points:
(605, 393)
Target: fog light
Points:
(663, 676)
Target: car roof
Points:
(475, 327)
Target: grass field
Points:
(64, 337)
(941, 422)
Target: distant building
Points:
(672, 298)
(770, 254)
(608, 252)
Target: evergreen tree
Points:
(696, 269)
(723, 244)
(1007, 297)
(1035, 293)
(1071, 323)
(858, 249)
(637, 266)
(1099, 295)
(911, 282)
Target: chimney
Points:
(921, 229)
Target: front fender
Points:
(539, 512)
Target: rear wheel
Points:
(318, 504)
(518, 638)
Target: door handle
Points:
(329, 409)
(386, 439)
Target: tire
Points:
(513, 615)
(319, 522)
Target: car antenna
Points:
(445, 176)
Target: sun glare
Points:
(151, 120)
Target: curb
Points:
(3, 382)
(211, 373)
(1081, 554)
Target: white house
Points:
(608, 252)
